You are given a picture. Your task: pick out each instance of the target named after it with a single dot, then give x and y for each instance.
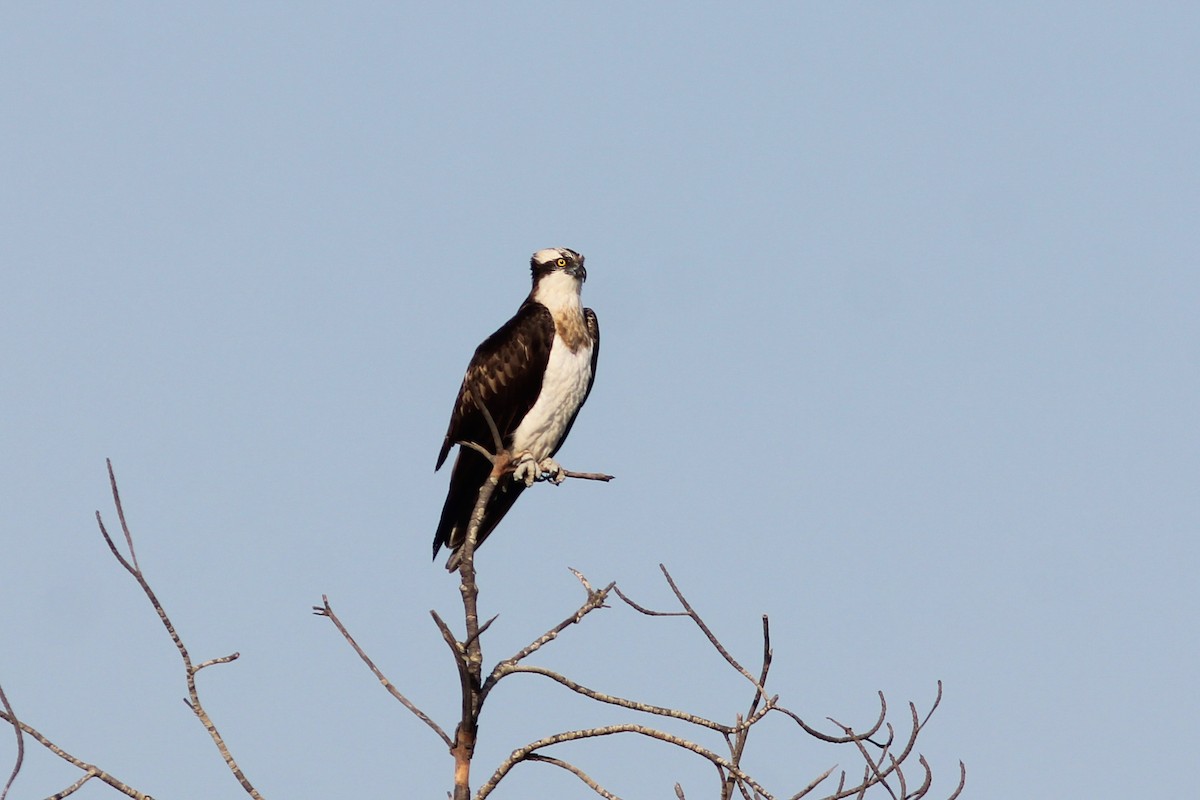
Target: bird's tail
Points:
(471, 471)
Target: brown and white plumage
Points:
(533, 375)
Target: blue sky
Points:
(900, 347)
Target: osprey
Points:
(533, 375)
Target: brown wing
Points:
(506, 374)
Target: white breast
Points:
(563, 390)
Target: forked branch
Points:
(193, 699)
(880, 767)
(883, 767)
(90, 770)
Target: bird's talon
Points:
(527, 470)
(552, 471)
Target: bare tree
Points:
(885, 756)
(90, 771)
(883, 765)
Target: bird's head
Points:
(557, 259)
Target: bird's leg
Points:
(552, 470)
(527, 468)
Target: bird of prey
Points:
(533, 375)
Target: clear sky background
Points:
(900, 347)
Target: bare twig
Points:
(643, 610)
(925, 784)
(962, 781)
(222, 660)
(460, 661)
(632, 705)
(594, 600)
(478, 448)
(716, 643)
(576, 771)
(12, 716)
(814, 783)
(326, 610)
(588, 476)
(877, 774)
(937, 701)
(112, 482)
(841, 785)
(193, 699)
(522, 753)
(738, 746)
(73, 788)
(91, 769)
(483, 628)
(824, 737)
(487, 416)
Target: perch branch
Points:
(588, 476)
(469, 652)
(569, 473)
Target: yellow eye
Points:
(562, 262)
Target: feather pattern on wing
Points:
(506, 373)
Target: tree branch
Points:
(738, 745)
(469, 652)
(326, 610)
(632, 705)
(193, 698)
(577, 772)
(91, 769)
(716, 643)
(594, 600)
(73, 788)
(487, 416)
(814, 783)
(523, 753)
(12, 716)
(567, 473)
(588, 476)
